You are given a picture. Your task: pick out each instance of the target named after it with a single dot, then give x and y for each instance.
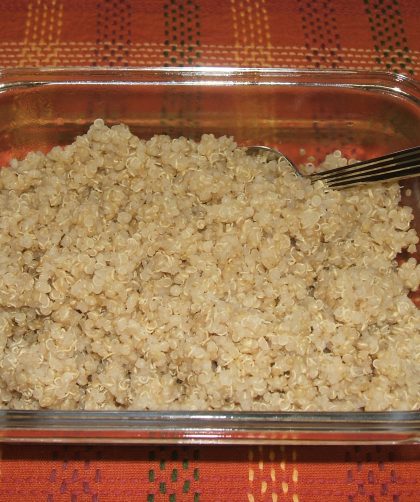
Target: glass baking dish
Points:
(363, 114)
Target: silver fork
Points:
(394, 166)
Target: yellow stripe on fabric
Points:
(28, 23)
(43, 23)
(235, 23)
(55, 28)
(264, 487)
(251, 31)
(251, 473)
(257, 5)
(27, 35)
(43, 26)
(266, 31)
(50, 34)
(35, 22)
(273, 474)
(295, 475)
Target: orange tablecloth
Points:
(361, 34)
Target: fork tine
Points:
(390, 161)
(371, 171)
(408, 171)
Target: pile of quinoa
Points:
(173, 274)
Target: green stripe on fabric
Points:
(186, 487)
(321, 34)
(388, 34)
(174, 475)
(182, 32)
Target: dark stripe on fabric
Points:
(322, 38)
(182, 32)
(388, 34)
(113, 33)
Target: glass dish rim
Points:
(192, 426)
(210, 427)
(210, 71)
(202, 70)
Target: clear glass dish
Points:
(363, 114)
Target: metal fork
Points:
(394, 166)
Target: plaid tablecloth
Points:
(363, 34)
(360, 34)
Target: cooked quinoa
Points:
(173, 274)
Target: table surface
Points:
(362, 34)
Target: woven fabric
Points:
(209, 474)
(361, 34)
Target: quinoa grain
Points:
(170, 274)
